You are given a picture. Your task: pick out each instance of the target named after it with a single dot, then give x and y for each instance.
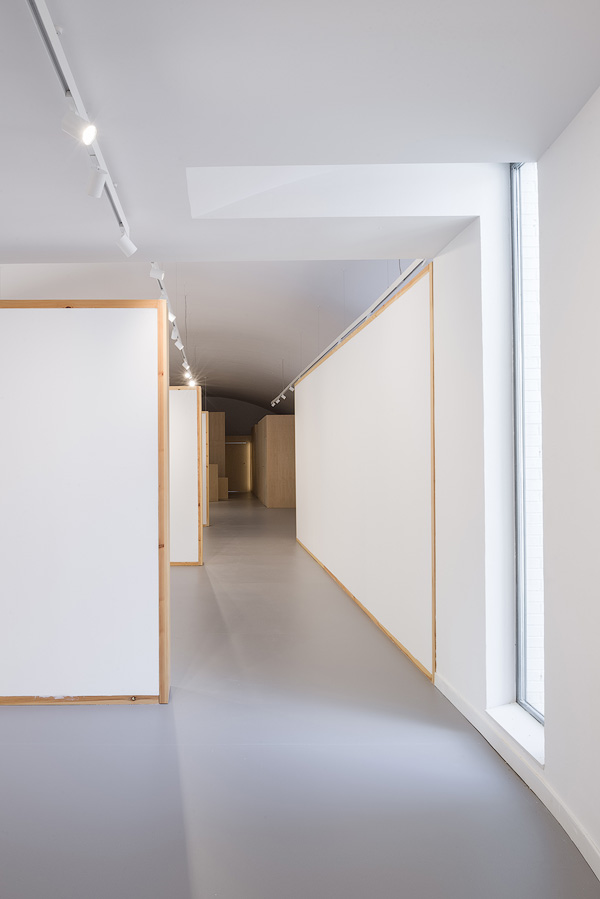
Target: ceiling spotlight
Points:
(125, 243)
(272, 403)
(97, 182)
(283, 396)
(156, 272)
(291, 388)
(187, 374)
(277, 400)
(186, 364)
(171, 315)
(175, 333)
(79, 128)
(179, 343)
(192, 383)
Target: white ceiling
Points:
(191, 98)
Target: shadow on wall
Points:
(240, 417)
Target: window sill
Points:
(522, 727)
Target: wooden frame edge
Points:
(164, 552)
(185, 564)
(433, 520)
(200, 491)
(79, 700)
(381, 627)
(207, 457)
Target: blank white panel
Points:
(183, 462)
(363, 468)
(79, 493)
(204, 463)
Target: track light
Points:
(272, 403)
(192, 383)
(179, 343)
(291, 388)
(125, 243)
(171, 315)
(175, 333)
(187, 374)
(156, 272)
(79, 128)
(186, 364)
(97, 182)
(283, 396)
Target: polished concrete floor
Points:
(302, 756)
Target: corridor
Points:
(302, 756)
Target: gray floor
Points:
(301, 756)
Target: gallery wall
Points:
(80, 528)
(185, 480)
(363, 468)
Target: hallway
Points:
(301, 755)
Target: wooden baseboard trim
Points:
(197, 564)
(79, 700)
(396, 642)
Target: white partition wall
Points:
(84, 502)
(185, 460)
(204, 462)
(364, 449)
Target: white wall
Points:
(363, 468)
(569, 192)
(184, 474)
(460, 482)
(79, 486)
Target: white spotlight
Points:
(186, 364)
(171, 315)
(175, 333)
(179, 343)
(192, 383)
(79, 128)
(125, 243)
(291, 388)
(96, 182)
(283, 396)
(156, 272)
(187, 374)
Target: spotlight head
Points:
(156, 272)
(292, 388)
(186, 364)
(171, 315)
(175, 333)
(96, 182)
(125, 244)
(192, 383)
(179, 343)
(283, 396)
(79, 128)
(187, 374)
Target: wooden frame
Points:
(199, 414)
(163, 500)
(428, 270)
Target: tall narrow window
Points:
(528, 441)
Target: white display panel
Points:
(363, 468)
(184, 475)
(79, 530)
(204, 462)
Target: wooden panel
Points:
(281, 469)
(259, 445)
(213, 482)
(79, 700)
(205, 474)
(238, 458)
(216, 441)
(223, 488)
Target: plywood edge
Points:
(200, 491)
(174, 564)
(133, 699)
(433, 521)
(381, 627)
(428, 270)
